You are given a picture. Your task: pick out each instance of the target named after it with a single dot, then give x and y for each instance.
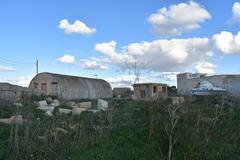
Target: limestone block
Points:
(16, 119)
(12, 120)
(18, 104)
(46, 108)
(42, 103)
(55, 103)
(64, 111)
(85, 105)
(102, 104)
(78, 111)
(71, 103)
(49, 113)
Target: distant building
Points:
(149, 91)
(10, 92)
(123, 92)
(69, 87)
(187, 81)
(172, 90)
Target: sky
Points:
(118, 40)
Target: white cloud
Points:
(93, 64)
(178, 18)
(6, 69)
(77, 27)
(166, 76)
(160, 55)
(236, 11)
(21, 81)
(123, 80)
(206, 68)
(227, 43)
(67, 58)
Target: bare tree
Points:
(170, 126)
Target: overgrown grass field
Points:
(130, 130)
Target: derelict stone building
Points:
(150, 91)
(69, 87)
(10, 92)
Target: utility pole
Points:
(37, 67)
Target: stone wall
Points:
(9, 92)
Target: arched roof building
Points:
(69, 87)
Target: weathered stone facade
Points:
(10, 92)
(69, 87)
(186, 81)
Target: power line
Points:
(15, 62)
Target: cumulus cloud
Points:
(67, 58)
(166, 76)
(178, 18)
(6, 69)
(236, 11)
(206, 67)
(93, 64)
(77, 27)
(227, 43)
(160, 55)
(123, 80)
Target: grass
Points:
(129, 130)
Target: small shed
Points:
(149, 91)
(10, 92)
(122, 92)
(69, 87)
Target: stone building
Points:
(122, 92)
(149, 91)
(187, 81)
(69, 87)
(10, 92)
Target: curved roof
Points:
(72, 86)
(68, 77)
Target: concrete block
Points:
(46, 108)
(49, 113)
(12, 120)
(42, 103)
(78, 111)
(18, 104)
(55, 103)
(71, 103)
(16, 119)
(102, 104)
(64, 111)
(85, 105)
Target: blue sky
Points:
(30, 30)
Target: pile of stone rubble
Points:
(49, 106)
